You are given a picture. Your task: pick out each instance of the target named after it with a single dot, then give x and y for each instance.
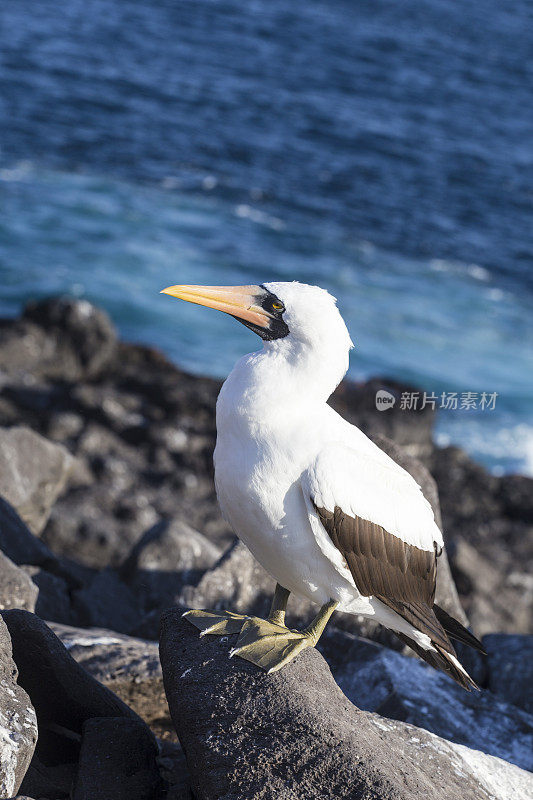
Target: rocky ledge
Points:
(108, 517)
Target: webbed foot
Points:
(268, 645)
(221, 623)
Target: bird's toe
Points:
(222, 623)
(268, 645)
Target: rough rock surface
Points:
(117, 760)
(70, 695)
(494, 599)
(168, 556)
(106, 602)
(510, 668)
(18, 543)
(18, 723)
(129, 667)
(489, 531)
(294, 734)
(64, 696)
(17, 590)
(33, 472)
(237, 582)
(375, 678)
(53, 599)
(60, 338)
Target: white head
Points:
(311, 315)
(300, 325)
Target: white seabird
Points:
(326, 512)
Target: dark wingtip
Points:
(457, 631)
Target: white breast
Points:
(258, 468)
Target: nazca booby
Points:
(326, 512)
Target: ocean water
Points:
(382, 151)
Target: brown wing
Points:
(399, 574)
(381, 564)
(403, 577)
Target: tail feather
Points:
(457, 631)
(435, 623)
(442, 660)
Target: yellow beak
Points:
(241, 302)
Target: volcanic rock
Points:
(169, 555)
(64, 696)
(33, 472)
(16, 588)
(18, 723)
(53, 599)
(293, 734)
(494, 599)
(106, 602)
(59, 338)
(129, 667)
(18, 543)
(510, 668)
(489, 533)
(117, 760)
(378, 679)
(516, 497)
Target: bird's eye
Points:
(278, 306)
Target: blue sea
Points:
(380, 149)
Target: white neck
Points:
(285, 375)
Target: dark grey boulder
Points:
(106, 602)
(248, 735)
(33, 472)
(16, 587)
(516, 496)
(148, 626)
(496, 599)
(168, 556)
(487, 520)
(18, 722)
(53, 598)
(69, 695)
(51, 777)
(64, 696)
(173, 770)
(129, 667)
(237, 582)
(59, 338)
(396, 686)
(117, 761)
(510, 668)
(19, 544)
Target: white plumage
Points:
(282, 452)
(276, 436)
